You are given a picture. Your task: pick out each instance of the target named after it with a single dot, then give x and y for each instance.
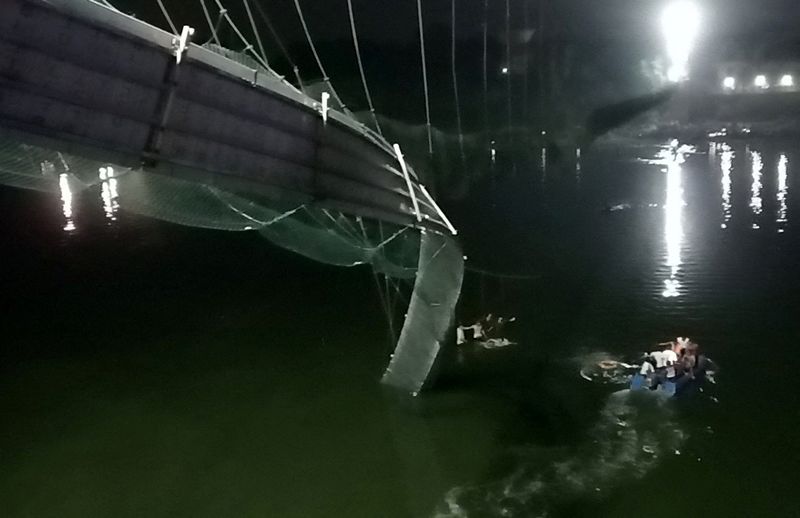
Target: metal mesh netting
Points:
(40, 169)
(430, 313)
(185, 203)
(324, 235)
(336, 238)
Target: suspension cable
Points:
(278, 40)
(424, 76)
(508, 60)
(316, 55)
(526, 21)
(109, 5)
(540, 55)
(455, 79)
(361, 67)
(166, 15)
(383, 291)
(255, 31)
(500, 275)
(211, 23)
(485, 66)
(247, 46)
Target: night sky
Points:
(395, 20)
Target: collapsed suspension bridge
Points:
(204, 136)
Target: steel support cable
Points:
(352, 231)
(392, 298)
(216, 193)
(255, 31)
(455, 79)
(109, 5)
(424, 76)
(526, 21)
(263, 14)
(485, 66)
(167, 16)
(211, 25)
(363, 239)
(316, 54)
(508, 61)
(361, 67)
(540, 60)
(383, 292)
(499, 275)
(248, 47)
(218, 23)
(389, 303)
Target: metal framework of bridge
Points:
(82, 78)
(99, 82)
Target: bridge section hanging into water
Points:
(83, 79)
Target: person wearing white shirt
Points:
(646, 376)
(666, 360)
(670, 359)
(659, 358)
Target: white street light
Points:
(680, 23)
(787, 80)
(761, 81)
(729, 83)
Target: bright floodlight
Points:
(787, 80)
(680, 23)
(761, 81)
(504, 70)
(729, 83)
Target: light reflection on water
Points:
(543, 163)
(783, 191)
(726, 163)
(109, 192)
(756, 202)
(673, 217)
(66, 202)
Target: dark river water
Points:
(156, 370)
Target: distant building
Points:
(744, 77)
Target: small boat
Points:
(705, 371)
(493, 343)
(614, 372)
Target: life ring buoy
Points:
(607, 364)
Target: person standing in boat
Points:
(647, 373)
(477, 332)
(665, 360)
(671, 360)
